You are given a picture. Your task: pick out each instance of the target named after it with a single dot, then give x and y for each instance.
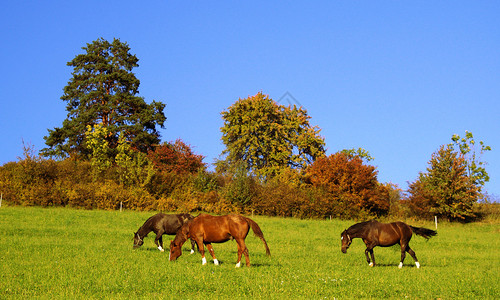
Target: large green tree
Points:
(103, 90)
(268, 137)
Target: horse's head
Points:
(175, 250)
(346, 241)
(138, 241)
(179, 240)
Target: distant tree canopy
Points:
(347, 179)
(267, 136)
(360, 152)
(453, 181)
(103, 90)
(445, 189)
(468, 148)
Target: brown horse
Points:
(206, 229)
(161, 224)
(375, 233)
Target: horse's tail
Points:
(258, 233)
(426, 233)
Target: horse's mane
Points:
(142, 230)
(182, 233)
(356, 228)
(149, 221)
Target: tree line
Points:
(108, 153)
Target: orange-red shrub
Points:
(349, 182)
(175, 158)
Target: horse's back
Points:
(168, 224)
(172, 223)
(209, 222)
(392, 233)
(218, 228)
(153, 221)
(220, 221)
(404, 228)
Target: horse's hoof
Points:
(400, 265)
(216, 262)
(371, 264)
(417, 264)
(238, 265)
(192, 251)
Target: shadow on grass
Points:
(393, 265)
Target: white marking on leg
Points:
(203, 261)
(216, 262)
(400, 265)
(417, 264)
(238, 264)
(160, 248)
(192, 251)
(370, 264)
(168, 255)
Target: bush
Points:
(352, 184)
(163, 184)
(337, 186)
(176, 158)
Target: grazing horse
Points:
(206, 229)
(161, 224)
(375, 233)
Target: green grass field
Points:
(65, 253)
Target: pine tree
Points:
(103, 90)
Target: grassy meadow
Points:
(66, 253)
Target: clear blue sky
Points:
(394, 78)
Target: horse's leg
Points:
(403, 254)
(373, 257)
(161, 243)
(368, 257)
(201, 248)
(242, 249)
(369, 249)
(158, 238)
(412, 253)
(211, 250)
(247, 257)
(192, 246)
